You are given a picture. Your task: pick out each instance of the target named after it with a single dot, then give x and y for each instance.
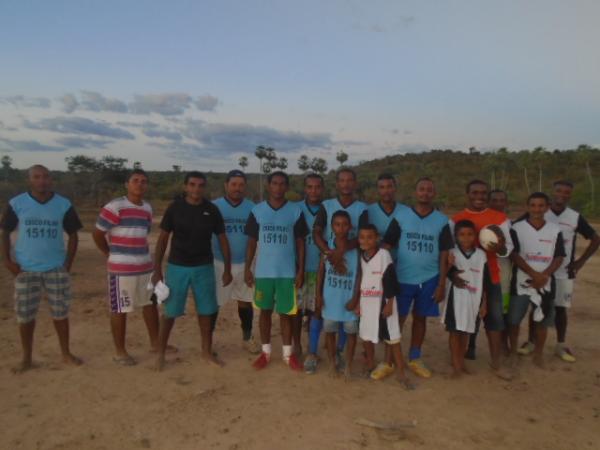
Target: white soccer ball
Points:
(488, 237)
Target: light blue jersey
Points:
(235, 218)
(338, 289)
(381, 220)
(420, 241)
(40, 245)
(356, 209)
(275, 231)
(313, 254)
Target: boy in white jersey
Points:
(571, 224)
(464, 305)
(538, 253)
(377, 302)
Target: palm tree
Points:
(341, 157)
(260, 153)
(243, 162)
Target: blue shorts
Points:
(422, 295)
(202, 281)
(333, 326)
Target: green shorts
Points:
(279, 293)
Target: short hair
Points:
(141, 172)
(474, 182)
(345, 170)
(37, 167)
(279, 173)
(369, 227)
(234, 174)
(193, 174)
(497, 191)
(315, 176)
(463, 224)
(538, 195)
(341, 213)
(424, 179)
(386, 176)
(563, 183)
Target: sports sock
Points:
(414, 353)
(341, 343)
(246, 316)
(316, 325)
(266, 348)
(287, 352)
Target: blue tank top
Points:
(313, 254)
(381, 220)
(40, 245)
(355, 209)
(338, 289)
(235, 218)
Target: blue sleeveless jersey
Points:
(381, 220)
(312, 252)
(338, 289)
(418, 257)
(235, 218)
(40, 244)
(276, 243)
(355, 209)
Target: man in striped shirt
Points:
(121, 234)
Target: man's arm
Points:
(100, 241)
(159, 254)
(72, 243)
(8, 224)
(226, 251)
(391, 236)
(445, 243)
(318, 227)
(300, 232)
(250, 252)
(319, 288)
(584, 228)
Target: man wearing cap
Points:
(190, 222)
(235, 209)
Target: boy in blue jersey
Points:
(235, 209)
(41, 264)
(276, 229)
(313, 196)
(345, 184)
(422, 237)
(335, 292)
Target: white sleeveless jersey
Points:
(466, 301)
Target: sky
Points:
(199, 84)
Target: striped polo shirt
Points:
(127, 226)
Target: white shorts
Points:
(373, 326)
(564, 292)
(237, 289)
(127, 291)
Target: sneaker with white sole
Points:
(251, 346)
(526, 349)
(564, 353)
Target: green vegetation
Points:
(90, 182)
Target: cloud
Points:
(206, 102)
(28, 146)
(146, 124)
(79, 125)
(3, 126)
(82, 142)
(164, 104)
(27, 102)
(231, 138)
(94, 101)
(69, 102)
(162, 133)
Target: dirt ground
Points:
(192, 406)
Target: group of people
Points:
(337, 266)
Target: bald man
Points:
(41, 262)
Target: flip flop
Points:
(124, 360)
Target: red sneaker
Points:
(261, 362)
(294, 363)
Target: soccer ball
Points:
(489, 236)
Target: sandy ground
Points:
(192, 406)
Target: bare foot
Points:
(347, 374)
(212, 359)
(538, 360)
(405, 382)
(502, 373)
(467, 371)
(160, 363)
(456, 374)
(513, 360)
(72, 360)
(23, 367)
(170, 349)
(124, 360)
(332, 372)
